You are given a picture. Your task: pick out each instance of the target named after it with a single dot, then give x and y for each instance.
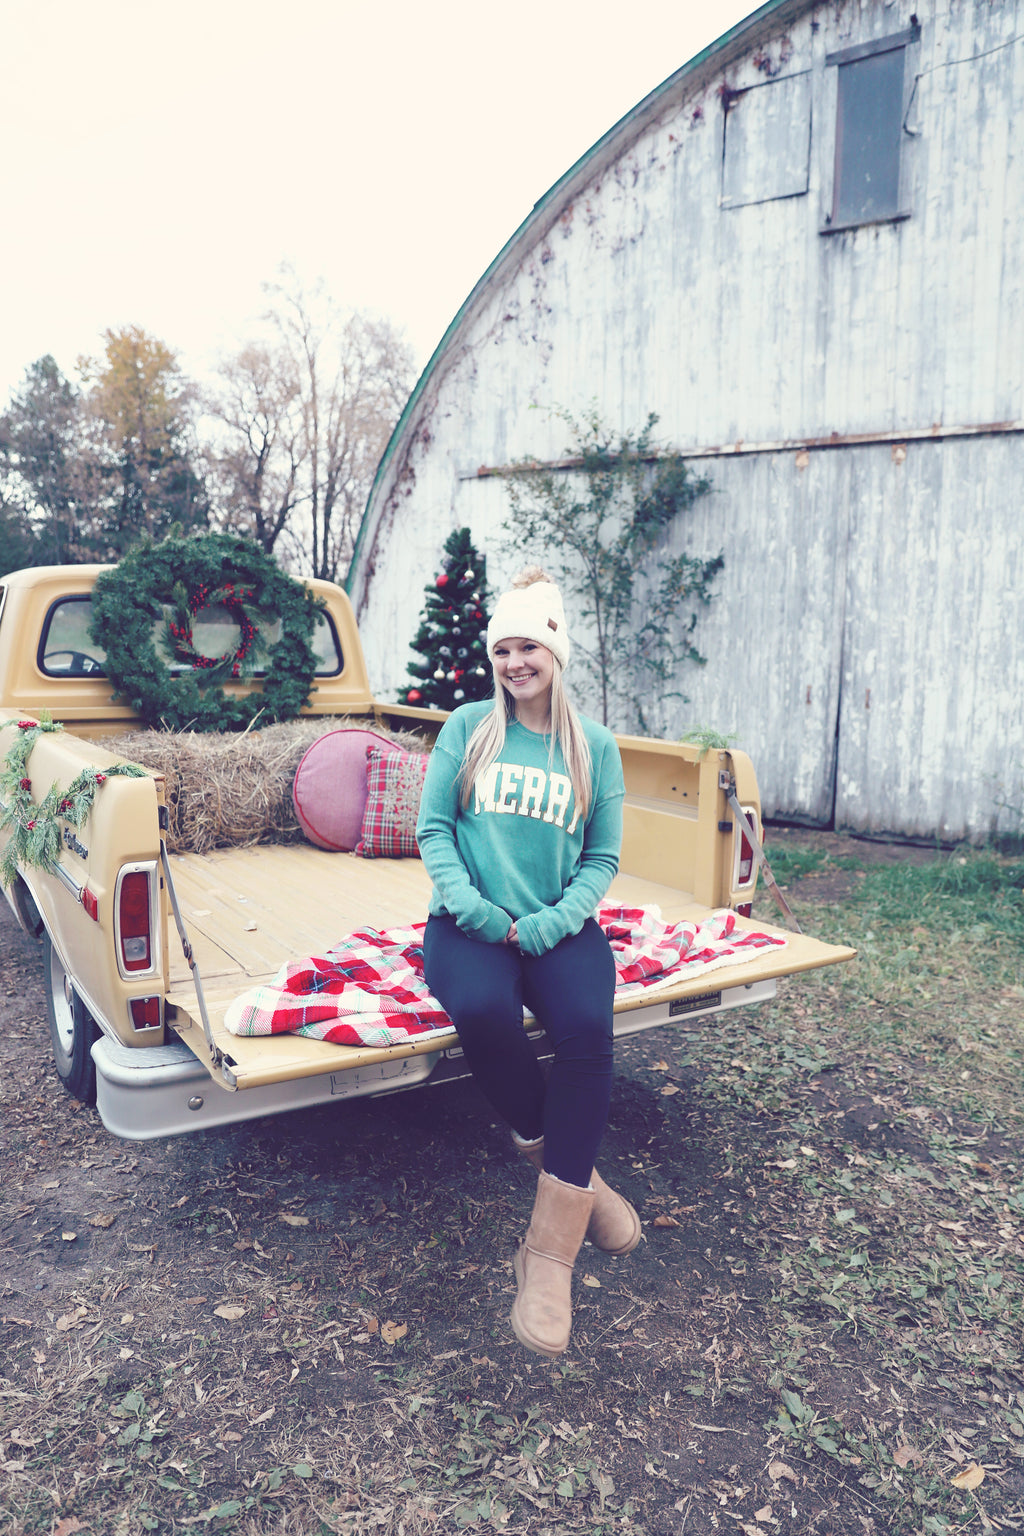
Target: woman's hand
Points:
(512, 937)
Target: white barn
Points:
(805, 252)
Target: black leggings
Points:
(569, 991)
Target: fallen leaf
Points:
(52, 1184)
(103, 1219)
(392, 1331)
(665, 1221)
(372, 1325)
(23, 1440)
(230, 1313)
(194, 1301)
(660, 1066)
(293, 1221)
(778, 1470)
(230, 1434)
(68, 1526)
(127, 1317)
(125, 1354)
(907, 1456)
(71, 1319)
(764, 1514)
(261, 1418)
(593, 1281)
(668, 1089)
(972, 1476)
(22, 1322)
(68, 1237)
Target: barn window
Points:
(767, 148)
(869, 131)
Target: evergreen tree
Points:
(452, 636)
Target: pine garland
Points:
(36, 826)
(143, 613)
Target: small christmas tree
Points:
(452, 636)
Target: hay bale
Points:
(235, 790)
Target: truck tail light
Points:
(90, 903)
(744, 872)
(145, 1012)
(134, 921)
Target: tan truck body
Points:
(249, 910)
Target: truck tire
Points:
(72, 1028)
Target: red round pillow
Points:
(329, 792)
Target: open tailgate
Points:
(249, 911)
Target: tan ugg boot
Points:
(542, 1311)
(614, 1225)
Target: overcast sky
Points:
(160, 161)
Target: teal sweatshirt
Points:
(519, 851)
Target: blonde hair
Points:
(488, 740)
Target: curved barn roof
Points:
(542, 216)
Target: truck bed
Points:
(249, 911)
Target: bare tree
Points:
(307, 416)
(257, 466)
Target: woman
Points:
(520, 829)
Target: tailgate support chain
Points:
(728, 783)
(186, 946)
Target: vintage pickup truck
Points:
(136, 1025)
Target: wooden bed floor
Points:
(250, 910)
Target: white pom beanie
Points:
(533, 612)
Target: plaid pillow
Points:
(394, 785)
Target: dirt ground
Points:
(301, 1323)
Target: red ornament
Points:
(413, 696)
(442, 580)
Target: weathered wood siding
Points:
(866, 642)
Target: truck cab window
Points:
(66, 649)
(329, 660)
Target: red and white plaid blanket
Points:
(369, 988)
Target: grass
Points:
(825, 1318)
(897, 1129)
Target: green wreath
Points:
(143, 612)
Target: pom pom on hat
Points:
(532, 609)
